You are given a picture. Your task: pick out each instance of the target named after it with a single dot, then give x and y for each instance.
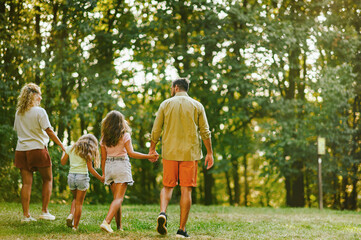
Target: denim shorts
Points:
(78, 181)
(118, 170)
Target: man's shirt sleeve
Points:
(158, 125)
(203, 125)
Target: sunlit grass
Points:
(213, 222)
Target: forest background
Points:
(273, 75)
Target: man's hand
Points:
(208, 162)
(153, 152)
(154, 156)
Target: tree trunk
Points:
(65, 97)
(38, 43)
(99, 118)
(288, 190)
(237, 187)
(297, 186)
(245, 165)
(336, 196)
(49, 84)
(229, 189)
(353, 197)
(355, 139)
(344, 191)
(2, 12)
(208, 184)
(295, 182)
(308, 189)
(194, 196)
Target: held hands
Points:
(102, 179)
(153, 157)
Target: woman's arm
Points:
(64, 158)
(93, 171)
(129, 147)
(55, 138)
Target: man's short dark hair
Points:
(182, 83)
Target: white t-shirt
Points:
(30, 128)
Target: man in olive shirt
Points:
(184, 125)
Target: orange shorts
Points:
(33, 159)
(182, 172)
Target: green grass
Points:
(213, 222)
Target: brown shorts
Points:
(33, 159)
(184, 172)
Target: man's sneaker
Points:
(47, 216)
(28, 219)
(162, 223)
(106, 227)
(70, 220)
(182, 234)
(74, 229)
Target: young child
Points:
(80, 157)
(116, 145)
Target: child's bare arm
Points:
(103, 152)
(129, 147)
(64, 158)
(93, 171)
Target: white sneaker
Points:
(70, 220)
(47, 216)
(106, 227)
(28, 219)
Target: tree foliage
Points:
(273, 75)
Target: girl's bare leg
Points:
(118, 190)
(80, 196)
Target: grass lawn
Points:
(213, 222)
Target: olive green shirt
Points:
(184, 125)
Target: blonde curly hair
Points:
(87, 148)
(26, 99)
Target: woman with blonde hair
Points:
(33, 130)
(80, 157)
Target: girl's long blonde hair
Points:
(114, 127)
(87, 148)
(27, 97)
